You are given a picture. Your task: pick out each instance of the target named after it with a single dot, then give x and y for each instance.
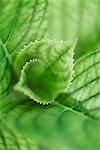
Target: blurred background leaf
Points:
(29, 126)
(76, 19)
(22, 21)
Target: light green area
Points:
(76, 19)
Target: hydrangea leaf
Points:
(86, 84)
(56, 69)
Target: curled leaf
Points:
(44, 79)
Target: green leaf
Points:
(26, 125)
(43, 81)
(76, 19)
(5, 71)
(22, 21)
(86, 84)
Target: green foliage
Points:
(48, 101)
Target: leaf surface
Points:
(22, 21)
(36, 127)
(5, 71)
(86, 84)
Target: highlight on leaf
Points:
(54, 72)
(5, 71)
(85, 86)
